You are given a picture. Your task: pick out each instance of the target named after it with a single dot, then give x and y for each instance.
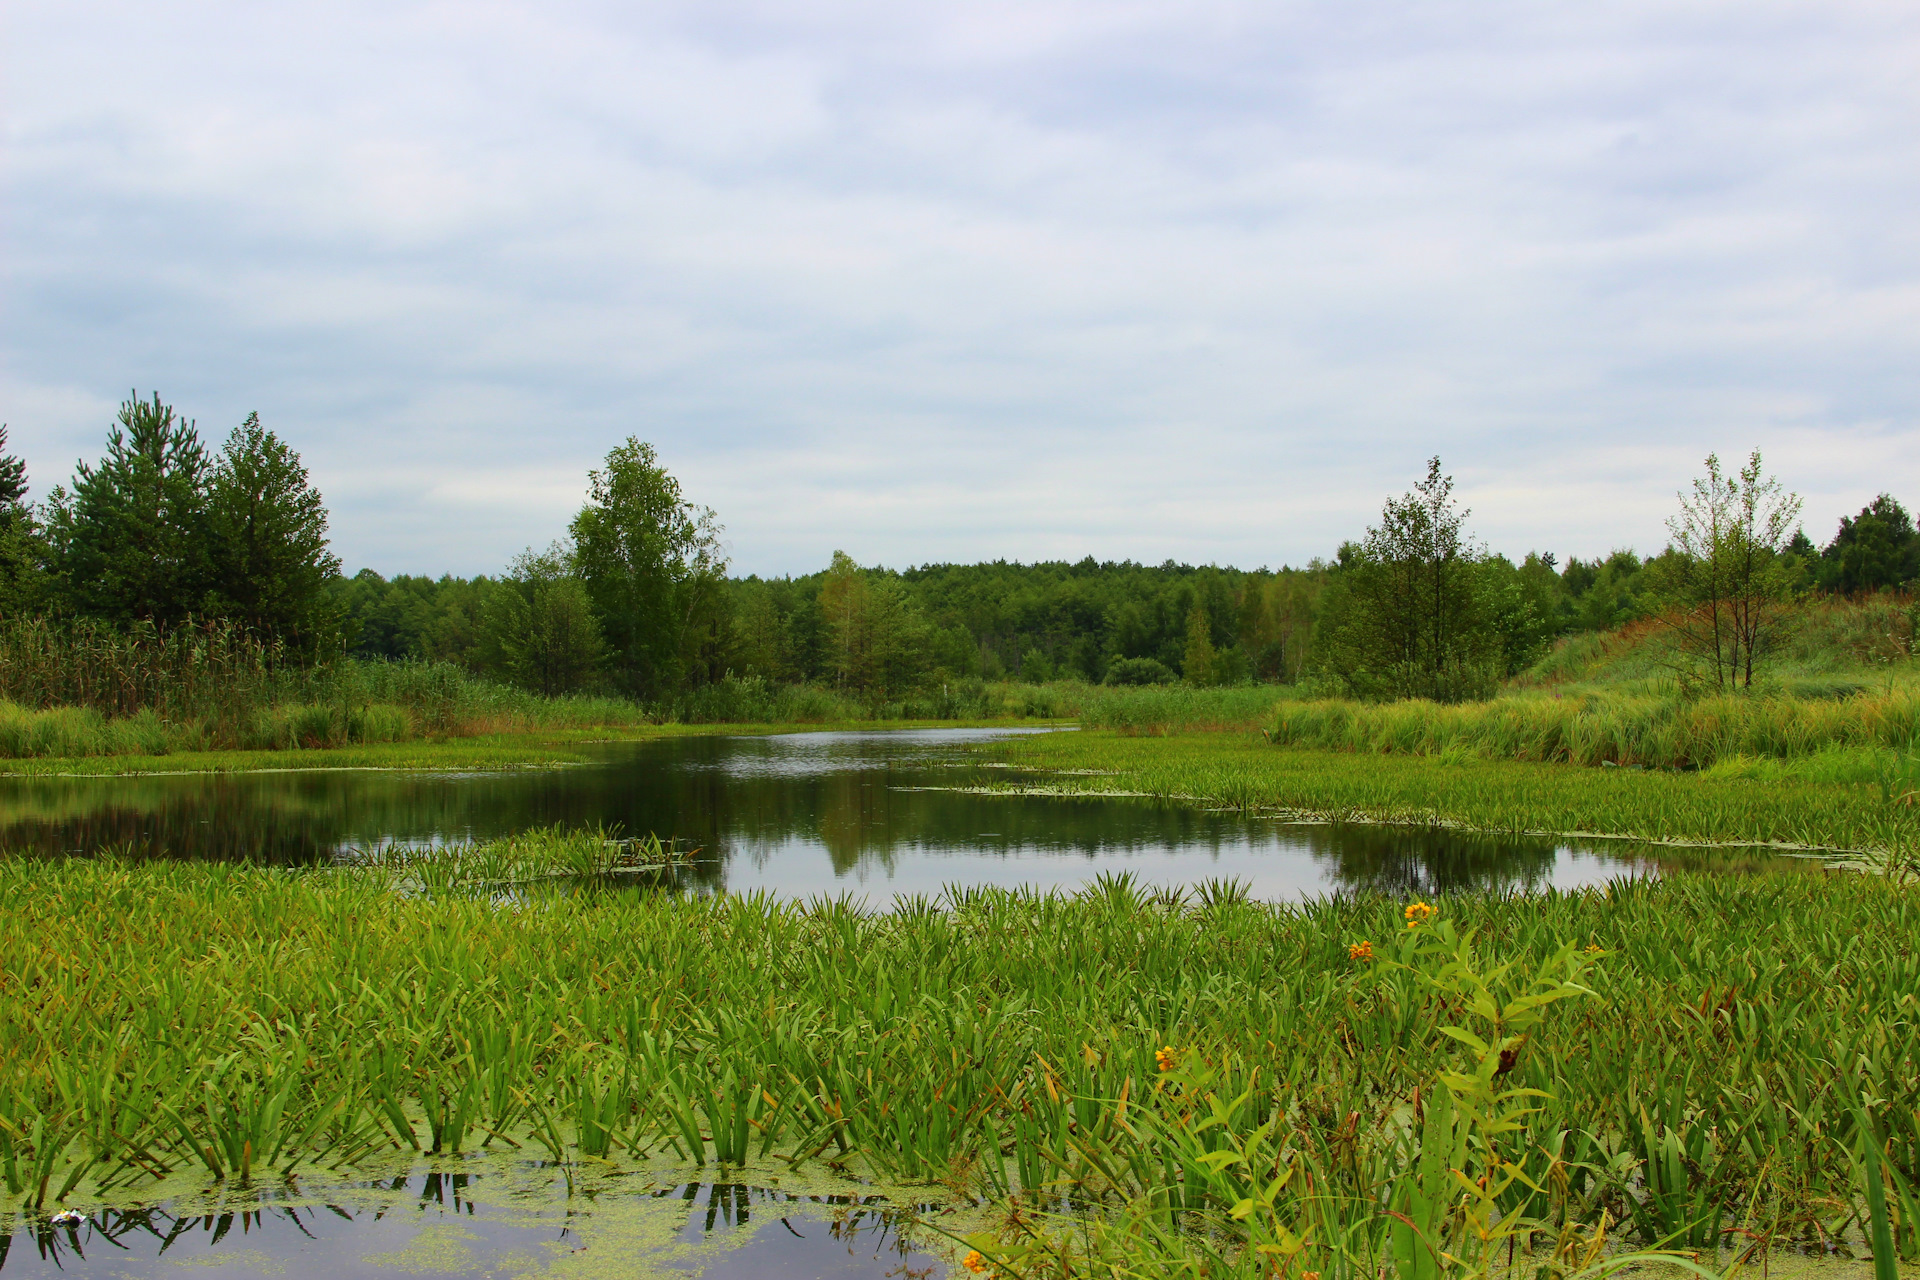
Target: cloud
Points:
(1204, 281)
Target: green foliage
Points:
(539, 630)
(266, 528)
(877, 640)
(1824, 800)
(80, 688)
(1138, 671)
(1142, 1082)
(1197, 663)
(652, 563)
(1727, 585)
(129, 541)
(13, 475)
(1610, 729)
(1875, 550)
(417, 618)
(157, 533)
(22, 541)
(1412, 612)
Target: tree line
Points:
(636, 598)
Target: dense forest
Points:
(636, 598)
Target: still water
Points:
(868, 814)
(490, 1226)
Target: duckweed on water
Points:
(1122, 1075)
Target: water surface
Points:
(873, 814)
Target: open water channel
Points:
(868, 814)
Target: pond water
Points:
(871, 814)
(509, 1223)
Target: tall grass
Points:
(82, 689)
(1157, 1057)
(206, 670)
(1837, 800)
(1603, 728)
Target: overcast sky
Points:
(1027, 280)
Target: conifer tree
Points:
(128, 541)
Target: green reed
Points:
(1863, 806)
(1175, 1073)
(1603, 728)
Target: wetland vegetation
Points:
(1135, 1082)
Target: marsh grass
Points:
(544, 853)
(247, 1022)
(1864, 801)
(1661, 732)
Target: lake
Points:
(872, 814)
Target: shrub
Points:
(1139, 671)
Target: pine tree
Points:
(267, 541)
(129, 541)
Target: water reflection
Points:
(872, 813)
(430, 1224)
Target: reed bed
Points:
(1143, 1082)
(1602, 729)
(1860, 804)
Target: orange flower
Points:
(1309, 1275)
(1418, 913)
(1166, 1058)
(1362, 951)
(975, 1263)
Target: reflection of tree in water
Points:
(867, 804)
(1414, 862)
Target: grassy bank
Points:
(1459, 788)
(543, 748)
(1213, 1075)
(1595, 728)
(395, 713)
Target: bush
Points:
(1139, 671)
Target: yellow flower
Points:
(975, 1263)
(1418, 913)
(1166, 1058)
(1360, 951)
(1593, 948)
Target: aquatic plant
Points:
(1834, 799)
(1744, 1037)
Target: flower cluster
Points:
(975, 1263)
(1166, 1058)
(1360, 951)
(1418, 913)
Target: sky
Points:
(1203, 280)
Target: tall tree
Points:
(267, 542)
(540, 631)
(652, 562)
(1407, 618)
(1197, 662)
(1727, 583)
(129, 541)
(13, 475)
(22, 548)
(877, 638)
(1876, 549)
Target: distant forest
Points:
(1110, 621)
(636, 598)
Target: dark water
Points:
(431, 1225)
(873, 814)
